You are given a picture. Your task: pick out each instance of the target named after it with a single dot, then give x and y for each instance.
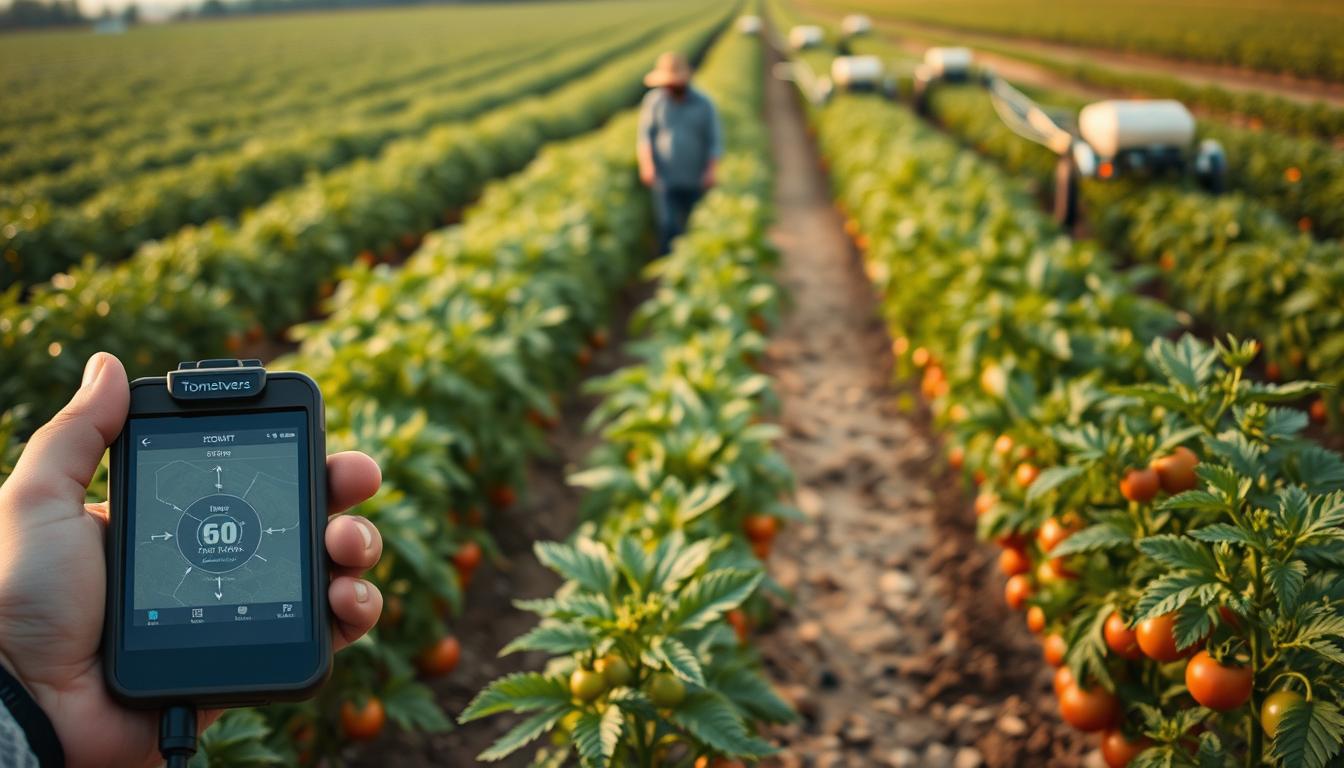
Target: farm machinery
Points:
(1112, 139)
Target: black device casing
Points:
(278, 675)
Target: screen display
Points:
(217, 530)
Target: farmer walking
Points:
(679, 146)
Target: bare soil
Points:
(896, 648)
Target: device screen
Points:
(217, 530)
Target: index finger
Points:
(352, 477)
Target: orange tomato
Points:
(1035, 619)
(1016, 591)
(1026, 474)
(1052, 532)
(440, 658)
(1122, 640)
(1157, 638)
(1118, 750)
(1013, 561)
(363, 723)
(760, 527)
(1089, 709)
(1218, 686)
(1055, 649)
(1176, 471)
(1140, 485)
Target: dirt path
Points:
(1195, 73)
(897, 649)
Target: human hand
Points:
(52, 572)
(710, 177)
(647, 174)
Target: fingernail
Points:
(92, 368)
(364, 533)
(361, 592)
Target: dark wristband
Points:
(34, 722)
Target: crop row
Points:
(192, 78)
(1166, 527)
(1229, 261)
(38, 238)
(142, 144)
(183, 298)
(442, 370)
(648, 634)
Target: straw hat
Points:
(671, 69)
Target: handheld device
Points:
(217, 577)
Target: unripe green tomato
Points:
(666, 691)
(615, 669)
(560, 735)
(587, 685)
(1274, 707)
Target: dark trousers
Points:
(672, 209)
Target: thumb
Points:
(60, 459)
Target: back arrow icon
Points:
(144, 441)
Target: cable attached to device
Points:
(177, 735)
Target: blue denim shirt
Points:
(685, 135)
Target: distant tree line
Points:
(39, 14)
(30, 14)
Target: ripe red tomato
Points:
(1157, 638)
(1026, 474)
(467, 557)
(1013, 561)
(598, 339)
(502, 496)
(1035, 619)
(760, 527)
(1016, 591)
(1218, 686)
(1122, 640)
(1052, 532)
(1117, 750)
(1054, 649)
(1015, 540)
(363, 723)
(1140, 485)
(1176, 471)
(1089, 709)
(440, 658)
(1275, 706)
(761, 549)
(1319, 413)
(1003, 445)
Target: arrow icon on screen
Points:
(219, 585)
(219, 482)
(165, 536)
(144, 441)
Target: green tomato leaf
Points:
(1309, 735)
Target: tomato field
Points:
(880, 464)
